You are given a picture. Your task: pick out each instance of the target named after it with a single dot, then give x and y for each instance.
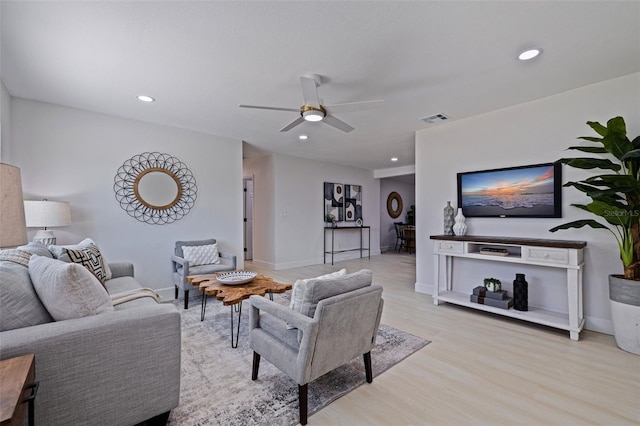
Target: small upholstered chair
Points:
(338, 321)
(198, 251)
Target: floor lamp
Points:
(13, 231)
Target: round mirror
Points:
(394, 204)
(157, 188)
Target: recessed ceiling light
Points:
(145, 98)
(303, 137)
(529, 54)
(394, 159)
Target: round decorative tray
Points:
(236, 277)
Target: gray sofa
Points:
(115, 368)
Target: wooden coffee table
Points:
(233, 295)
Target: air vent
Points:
(435, 118)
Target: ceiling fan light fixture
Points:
(310, 113)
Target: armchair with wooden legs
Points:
(342, 326)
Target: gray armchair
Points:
(344, 326)
(181, 268)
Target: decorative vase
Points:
(624, 298)
(448, 219)
(520, 293)
(460, 227)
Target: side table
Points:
(18, 390)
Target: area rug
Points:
(216, 385)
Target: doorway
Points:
(247, 184)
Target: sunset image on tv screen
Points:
(525, 191)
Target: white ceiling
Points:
(200, 60)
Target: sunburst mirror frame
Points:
(126, 187)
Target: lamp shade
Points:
(47, 214)
(12, 222)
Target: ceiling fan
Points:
(313, 110)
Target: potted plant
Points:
(330, 218)
(615, 197)
(492, 284)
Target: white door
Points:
(248, 218)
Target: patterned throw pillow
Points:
(58, 253)
(201, 255)
(90, 258)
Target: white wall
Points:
(294, 208)
(5, 121)
(407, 192)
(72, 155)
(535, 132)
(263, 172)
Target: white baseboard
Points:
(423, 288)
(598, 324)
(263, 264)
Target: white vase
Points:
(460, 227)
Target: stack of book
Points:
(498, 299)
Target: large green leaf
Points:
(616, 141)
(635, 153)
(591, 149)
(591, 191)
(591, 139)
(624, 184)
(599, 128)
(591, 163)
(579, 224)
(613, 214)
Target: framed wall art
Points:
(334, 201)
(352, 202)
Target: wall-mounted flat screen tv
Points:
(525, 191)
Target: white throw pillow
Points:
(67, 290)
(58, 252)
(201, 255)
(299, 287)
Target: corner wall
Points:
(288, 191)
(387, 228)
(72, 155)
(534, 132)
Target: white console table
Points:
(563, 254)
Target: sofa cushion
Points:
(316, 290)
(89, 257)
(299, 287)
(19, 304)
(205, 269)
(58, 252)
(67, 290)
(35, 247)
(201, 254)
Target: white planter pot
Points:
(624, 296)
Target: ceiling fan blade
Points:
(354, 106)
(309, 91)
(337, 123)
(271, 108)
(293, 124)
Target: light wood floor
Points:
(480, 368)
